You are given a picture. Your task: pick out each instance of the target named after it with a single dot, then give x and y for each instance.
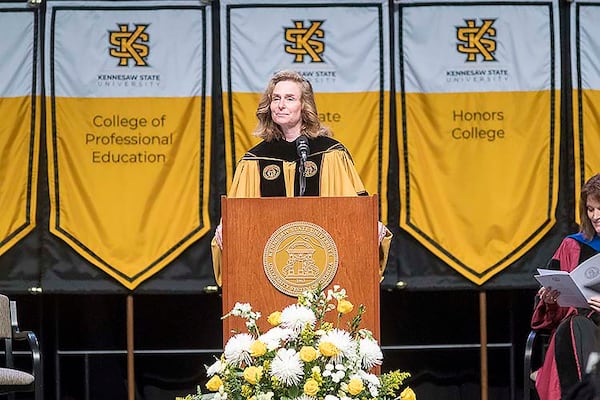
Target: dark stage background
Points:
(430, 314)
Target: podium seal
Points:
(300, 256)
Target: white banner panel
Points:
(585, 58)
(478, 113)
(19, 130)
(128, 86)
(341, 47)
(148, 57)
(478, 52)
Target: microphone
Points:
(303, 151)
(302, 147)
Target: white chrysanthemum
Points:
(220, 396)
(265, 396)
(244, 310)
(343, 341)
(275, 336)
(372, 381)
(331, 397)
(216, 368)
(335, 372)
(304, 396)
(296, 317)
(287, 367)
(338, 376)
(370, 353)
(241, 309)
(237, 349)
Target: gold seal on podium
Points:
(300, 256)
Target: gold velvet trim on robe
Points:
(338, 178)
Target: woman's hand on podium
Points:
(219, 236)
(382, 230)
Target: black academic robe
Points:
(271, 169)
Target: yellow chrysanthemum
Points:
(258, 348)
(344, 306)
(408, 394)
(253, 374)
(355, 386)
(311, 387)
(214, 383)
(328, 349)
(308, 353)
(275, 318)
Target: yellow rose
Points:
(328, 349)
(355, 386)
(253, 374)
(344, 306)
(311, 387)
(308, 353)
(258, 348)
(408, 394)
(275, 318)
(214, 383)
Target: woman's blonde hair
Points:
(311, 125)
(591, 189)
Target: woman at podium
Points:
(296, 157)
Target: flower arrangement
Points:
(303, 356)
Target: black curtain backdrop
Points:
(42, 260)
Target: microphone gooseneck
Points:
(303, 151)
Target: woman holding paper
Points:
(574, 329)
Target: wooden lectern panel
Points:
(249, 223)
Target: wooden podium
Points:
(251, 226)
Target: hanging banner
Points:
(341, 47)
(128, 100)
(585, 58)
(19, 130)
(478, 118)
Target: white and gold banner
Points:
(19, 130)
(128, 100)
(341, 47)
(585, 58)
(478, 119)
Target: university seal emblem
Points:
(300, 256)
(310, 169)
(271, 172)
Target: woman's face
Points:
(286, 108)
(593, 212)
